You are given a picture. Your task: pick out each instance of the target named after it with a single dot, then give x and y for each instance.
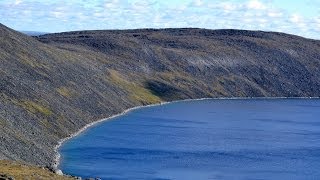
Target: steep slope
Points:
(47, 93)
(52, 85)
(257, 63)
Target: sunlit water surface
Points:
(208, 139)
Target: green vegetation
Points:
(217, 87)
(65, 92)
(2, 122)
(20, 171)
(35, 107)
(136, 92)
(19, 136)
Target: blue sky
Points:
(301, 17)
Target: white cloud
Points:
(228, 6)
(198, 2)
(256, 4)
(317, 20)
(296, 18)
(124, 14)
(261, 20)
(111, 4)
(98, 14)
(141, 6)
(275, 14)
(17, 2)
(57, 14)
(299, 22)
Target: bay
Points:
(207, 139)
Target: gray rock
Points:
(6, 177)
(59, 172)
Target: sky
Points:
(300, 17)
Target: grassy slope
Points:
(54, 85)
(21, 171)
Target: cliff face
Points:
(52, 85)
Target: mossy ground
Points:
(35, 107)
(21, 171)
(137, 92)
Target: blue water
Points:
(209, 139)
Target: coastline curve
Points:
(57, 157)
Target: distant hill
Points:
(33, 33)
(54, 84)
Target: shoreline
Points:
(57, 157)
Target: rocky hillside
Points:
(215, 63)
(52, 85)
